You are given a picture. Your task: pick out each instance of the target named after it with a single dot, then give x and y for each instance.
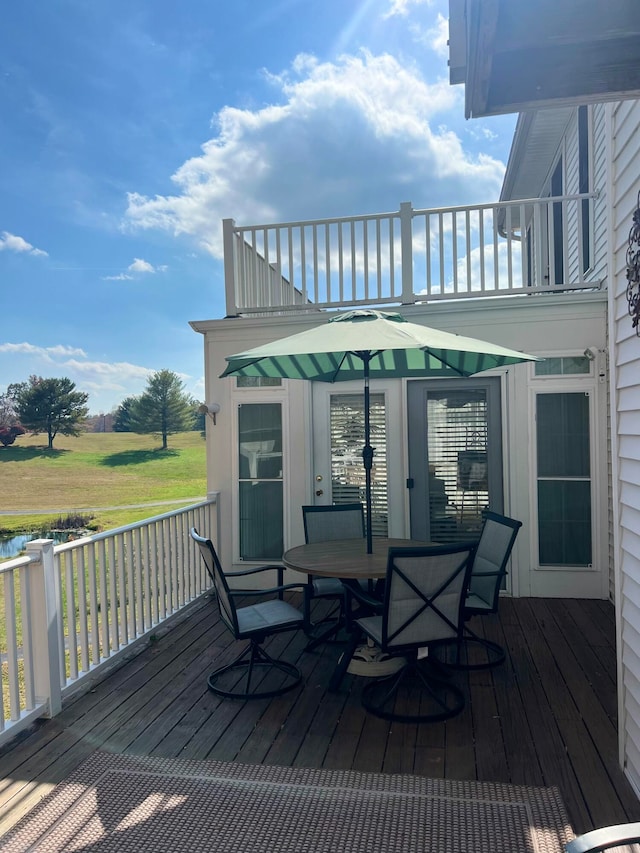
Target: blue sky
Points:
(130, 128)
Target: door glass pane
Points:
(564, 479)
(260, 488)
(347, 469)
(457, 449)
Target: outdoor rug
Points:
(131, 804)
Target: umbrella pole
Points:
(367, 452)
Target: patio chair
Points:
(326, 524)
(423, 598)
(254, 622)
(605, 838)
(488, 570)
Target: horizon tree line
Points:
(55, 407)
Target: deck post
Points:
(406, 245)
(228, 243)
(44, 597)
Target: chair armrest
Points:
(241, 572)
(279, 589)
(361, 596)
(253, 571)
(605, 838)
(369, 602)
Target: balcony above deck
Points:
(505, 248)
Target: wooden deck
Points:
(546, 717)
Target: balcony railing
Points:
(410, 256)
(72, 609)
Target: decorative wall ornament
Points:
(633, 269)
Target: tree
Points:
(10, 426)
(163, 408)
(50, 405)
(122, 415)
(8, 434)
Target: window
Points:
(564, 479)
(346, 415)
(260, 486)
(258, 381)
(563, 366)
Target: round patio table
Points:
(345, 558)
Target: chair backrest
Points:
(491, 557)
(223, 596)
(327, 523)
(424, 595)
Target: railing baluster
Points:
(162, 572)
(154, 573)
(146, 568)
(136, 560)
(524, 266)
(454, 251)
(93, 603)
(509, 230)
(303, 264)
(104, 600)
(114, 627)
(72, 631)
(481, 213)
(496, 256)
(28, 650)
(13, 680)
(378, 260)
(427, 240)
(125, 603)
(81, 579)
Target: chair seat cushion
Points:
(476, 604)
(372, 626)
(266, 615)
(327, 586)
(333, 586)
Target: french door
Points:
(455, 456)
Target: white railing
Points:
(70, 609)
(409, 256)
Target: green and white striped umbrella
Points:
(367, 343)
(391, 345)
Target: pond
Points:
(13, 545)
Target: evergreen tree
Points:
(50, 405)
(122, 415)
(163, 408)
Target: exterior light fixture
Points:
(210, 409)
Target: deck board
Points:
(545, 717)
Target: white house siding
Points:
(598, 183)
(625, 349)
(599, 175)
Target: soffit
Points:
(515, 55)
(534, 150)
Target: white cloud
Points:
(402, 7)
(358, 135)
(138, 265)
(48, 353)
(13, 243)
(436, 37)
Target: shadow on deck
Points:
(546, 717)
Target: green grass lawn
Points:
(97, 470)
